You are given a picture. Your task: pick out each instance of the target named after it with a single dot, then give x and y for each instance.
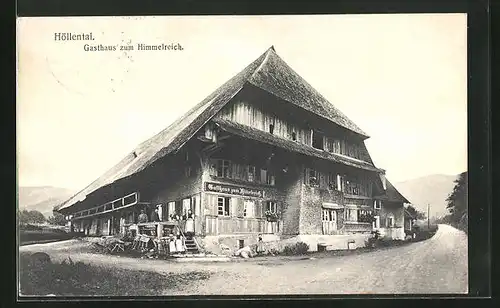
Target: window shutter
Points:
(212, 204)
(259, 212)
(234, 206)
(249, 205)
(240, 207)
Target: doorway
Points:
(329, 221)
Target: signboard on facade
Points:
(234, 190)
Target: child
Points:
(260, 245)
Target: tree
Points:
(57, 219)
(415, 213)
(457, 203)
(30, 217)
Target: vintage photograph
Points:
(242, 155)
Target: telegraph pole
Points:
(428, 216)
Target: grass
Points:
(70, 278)
(31, 234)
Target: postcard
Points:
(242, 155)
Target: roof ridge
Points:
(323, 102)
(268, 51)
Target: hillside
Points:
(432, 189)
(42, 198)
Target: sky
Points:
(401, 78)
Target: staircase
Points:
(191, 246)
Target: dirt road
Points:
(437, 265)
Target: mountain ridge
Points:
(432, 189)
(42, 198)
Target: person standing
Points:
(179, 244)
(160, 212)
(189, 226)
(154, 216)
(171, 244)
(142, 217)
(260, 245)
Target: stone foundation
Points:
(228, 244)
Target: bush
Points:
(299, 248)
(373, 241)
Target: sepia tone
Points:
(263, 174)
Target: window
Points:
(271, 128)
(223, 206)
(351, 215)
(365, 216)
(312, 177)
(377, 204)
(336, 146)
(170, 209)
(332, 181)
(251, 173)
(354, 186)
(294, 136)
(328, 215)
(271, 207)
(390, 222)
(248, 208)
(317, 141)
(223, 168)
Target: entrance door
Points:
(329, 221)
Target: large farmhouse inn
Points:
(263, 154)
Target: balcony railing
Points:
(117, 204)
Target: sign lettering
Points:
(234, 190)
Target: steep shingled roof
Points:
(287, 144)
(268, 72)
(392, 194)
